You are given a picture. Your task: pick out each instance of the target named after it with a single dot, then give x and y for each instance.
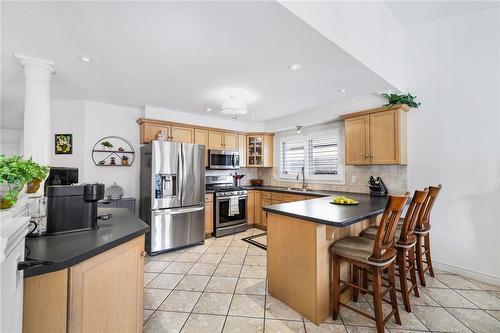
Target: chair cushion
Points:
(356, 248)
(371, 232)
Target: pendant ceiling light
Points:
(234, 107)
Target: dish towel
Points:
(234, 206)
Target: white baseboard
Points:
(487, 278)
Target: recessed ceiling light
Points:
(253, 118)
(208, 109)
(85, 59)
(295, 67)
(343, 90)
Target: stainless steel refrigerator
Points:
(172, 194)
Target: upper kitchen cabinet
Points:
(222, 140)
(260, 150)
(242, 143)
(175, 133)
(201, 138)
(376, 136)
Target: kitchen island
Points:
(299, 235)
(87, 279)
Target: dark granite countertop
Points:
(288, 190)
(320, 210)
(66, 250)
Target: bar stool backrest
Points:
(407, 235)
(423, 221)
(383, 248)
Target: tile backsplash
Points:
(250, 173)
(394, 176)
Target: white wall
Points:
(103, 120)
(11, 141)
(68, 117)
(453, 65)
(365, 29)
(89, 122)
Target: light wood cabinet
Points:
(215, 140)
(222, 140)
(265, 202)
(182, 134)
(251, 207)
(106, 287)
(230, 140)
(90, 296)
(260, 150)
(376, 138)
(242, 143)
(258, 207)
(201, 138)
(209, 214)
(174, 133)
(357, 137)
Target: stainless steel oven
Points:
(223, 159)
(230, 212)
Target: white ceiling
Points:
(411, 12)
(178, 55)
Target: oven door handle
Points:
(239, 197)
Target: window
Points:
(318, 154)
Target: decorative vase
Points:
(34, 185)
(9, 194)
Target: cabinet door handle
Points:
(144, 253)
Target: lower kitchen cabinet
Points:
(101, 294)
(251, 207)
(265, 202)
(209, 214)
(258, 208)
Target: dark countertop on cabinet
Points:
(320, 210)
(66, 250)
(291, 191)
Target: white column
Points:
(37, 129)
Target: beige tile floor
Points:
(221, 287)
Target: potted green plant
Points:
(14, 174)
(38, 173)
(394, 99)
(106, 145)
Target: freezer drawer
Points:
(175, 228)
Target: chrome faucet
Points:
(304, 184)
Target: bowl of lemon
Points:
(344, 201)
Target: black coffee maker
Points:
(72, 207)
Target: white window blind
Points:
(323, 155)
(292, 155)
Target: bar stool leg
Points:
(427, 241)
(420, 264)
(355, 281)
(401, 259)
(335, 286)
(413, 275)
(365, 280)
(394, 301)
(377, 299)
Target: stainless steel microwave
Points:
(223, 159)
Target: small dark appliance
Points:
(61, 176)
(377, 187)
(73, 207)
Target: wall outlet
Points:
(354, 179)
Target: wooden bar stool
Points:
(374, 256)
(423, 246)
(405, 247)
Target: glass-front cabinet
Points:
(255, 149)
(260, 150)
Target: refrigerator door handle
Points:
(180, 176)
(177, 211)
